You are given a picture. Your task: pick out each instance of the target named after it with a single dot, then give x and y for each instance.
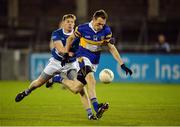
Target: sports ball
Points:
(106, 76)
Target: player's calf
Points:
(73, 85)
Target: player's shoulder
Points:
(83, 26)
(57, 31)
(107, 29)
(56, 34)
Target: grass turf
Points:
(130, 104)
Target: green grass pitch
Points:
(130, 104)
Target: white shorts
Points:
(54, 67)
(88, 63)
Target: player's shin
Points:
(91, 82)
(30, 89)
(86, 103)
(32, 86)
(85, 98)
(92, 90)
(35, 84)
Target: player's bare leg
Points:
(73, 85)
(72, 75)
(91, 82)
(56, 78)
(76, 86)
(86, 103)
(34, 84)
(100, 108)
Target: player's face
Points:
(98, 23)
(68, 24)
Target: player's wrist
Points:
(126, 69)
(65, 55)
(123, 66)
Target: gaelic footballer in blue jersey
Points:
(56, 64)
(93, 36)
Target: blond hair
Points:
(68, 16)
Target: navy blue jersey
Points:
(60, 35)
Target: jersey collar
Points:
(67, 33)
(90, 25)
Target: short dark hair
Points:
(100, 13)
(69, 16)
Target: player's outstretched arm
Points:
(118, 58)
(115, 53)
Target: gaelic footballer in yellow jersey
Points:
(93, 36)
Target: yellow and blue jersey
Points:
(91, 42)
(60, 35)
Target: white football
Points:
(106, 76)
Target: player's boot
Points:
(92, 117)
(49, 83)
(20, 96)
(102, 108)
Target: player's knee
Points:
(90, 79)
(82, 92)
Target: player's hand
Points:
(126, 69)
(71, 54)
(65, 59)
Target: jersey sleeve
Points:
(77, 31)
(55, 36)
(108, 35)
